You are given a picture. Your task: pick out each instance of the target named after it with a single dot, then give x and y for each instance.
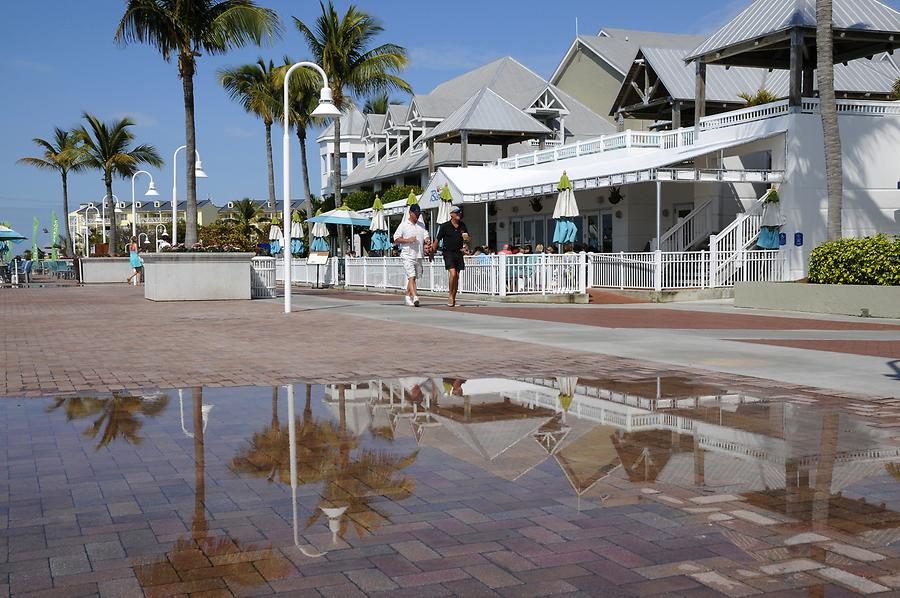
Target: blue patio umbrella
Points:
(8, 234)
(297, 244)
(380, 239)
(320, 235)
(564, 212)
(275, 237)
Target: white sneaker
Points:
(408, 300)
(416, 301)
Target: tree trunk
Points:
(301, 137)
(186, 68)
(269, 163)
(70, 247)
(336, 173)
(275, 422)
(111, 213)
(834, 176)
(199, 525)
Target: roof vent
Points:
(121, 205)
(157, 204)
(230, 205)
(138, 205)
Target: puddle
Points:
(415, 482)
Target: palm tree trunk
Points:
(111, 214)
(301, 137)
(834, 176)
(274, 407)
(70, 251)
(269, 163)
(186, 68)
(199, 525)
(336, 173)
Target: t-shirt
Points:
(452, 236)
(407, 229)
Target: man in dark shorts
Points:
(453, 233)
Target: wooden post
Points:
(676, 115)
(699, 95)
(430, 144)
(808, 77)
(464, 148)
(542, 142)
(504, 150)
(795, 90)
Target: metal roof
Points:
(487, 111)
(619, 47)
(765, 17)
(353, 123)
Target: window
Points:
(358, 159)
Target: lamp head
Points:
(151, 190)
(198, 170)
(326, 107)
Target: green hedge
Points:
(360, 200)
(870, 260)
(399, 192)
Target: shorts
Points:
(454, 260)
(412, 266)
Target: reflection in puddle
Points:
(259, 487)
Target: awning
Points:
(481, 184)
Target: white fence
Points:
(262, 278)
(541, 274)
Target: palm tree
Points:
(378, 104)
(247, 216)
(341, 46)
(117, 415)
(186, 29)
(258, 88)
(107, 147)
(761, 96)
(304, 97)
(834, 176)
(60, 154)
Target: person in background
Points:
(505, 250)
(164, 243)
(413, 238)
(136, 261)
(539, 248)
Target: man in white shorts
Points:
(412, 236)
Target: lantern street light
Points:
(151, 192)
(198, 172)
(325, 109)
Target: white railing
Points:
(688, 231)
(738, 236)
(542, 274)
(686, 136)
(262, 278)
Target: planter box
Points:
(846, 299)
(105, 269)
(196, 276)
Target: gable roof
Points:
(487, 111)
(352, 125)
(766, 17)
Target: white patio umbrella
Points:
(564, 211)
(379, 227)
(296, 235)
(567, 386)
(275, 237)
(443, 213)
(319, 233)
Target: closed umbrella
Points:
(297, 245)
(443, 213)
(319, 232)
(379, 227)
(771, 223)
(275, 237)
(564, 212)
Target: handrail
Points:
(735, 238)
(678, 243)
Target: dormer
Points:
(137, 205)
(157, 204)
(230, 205)
(547, 103)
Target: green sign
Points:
(54, 236)
(34, 244)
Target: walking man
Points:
(412, 236)
(454, 235)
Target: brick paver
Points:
(874, 348)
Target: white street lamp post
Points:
(87, 232)
(151, 191)
(198, 172)
(103, 214)
(326, 108)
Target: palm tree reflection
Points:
(118, 416)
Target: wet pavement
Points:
(420, 486)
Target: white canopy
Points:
(319, 229)
(379, 222)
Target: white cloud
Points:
(28, 65)
(238, 132)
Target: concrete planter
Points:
(105, 269)
(852, 300)
(196, 276)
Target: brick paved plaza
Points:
(419, 473)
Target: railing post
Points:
(431, 274)
(492, 272)
(583, 273)
(384, 281)
(713, 260)
(628, 138)
(657, 270)
(590, 271)
(502, 275)
(365, 272)
(543, 274)
(704, 269)
(621, 269)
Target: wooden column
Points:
(504, 150)
(676, 115)
(699, 94)
(542, 142)
(464, 148)
(808, 90)
(430, 144)
(795, 89)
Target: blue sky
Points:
(59, 59)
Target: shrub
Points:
(399, 192)
(360, 200)
(759, 97)
(225, 232)
(870, 260)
